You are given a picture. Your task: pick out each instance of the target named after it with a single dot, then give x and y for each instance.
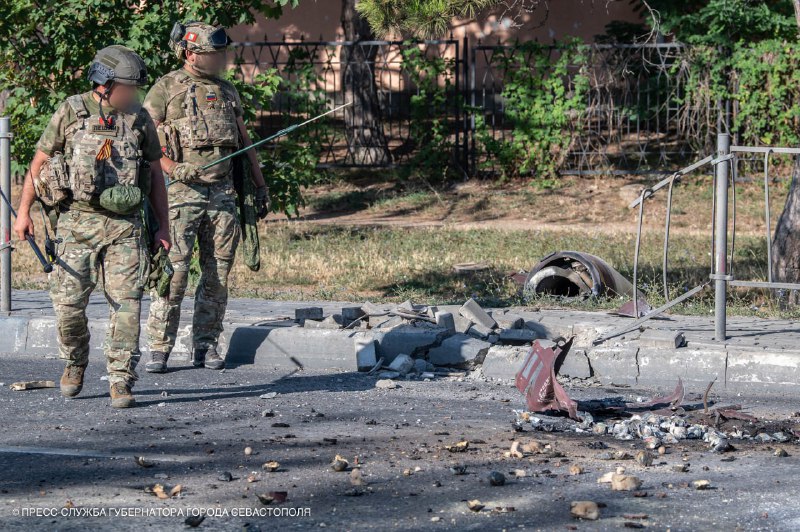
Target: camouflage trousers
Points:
(205, 214)
(111, 248)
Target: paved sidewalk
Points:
(758, 352)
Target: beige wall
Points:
(580, 18)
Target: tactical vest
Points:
(100, 156)
(208, 121)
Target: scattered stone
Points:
(781, 453)
(386, 384)
(680, 468)
(625, 482)
(473, 312)
(662, 339)
(225, 476)
(389, 375)
(458, 469)
(644, 458)
(496, 478)
(194, 520)
(355, 477)
(514, 452)
(420, 365)
(459, 350)
(462, 324)
(339, 464)
(479, 331)
(475, 505)
(271, 466)
(402, 364)
(662, 450)
(270, 395)
(328, 323)
(509, 321)
(141, 462)
(575, 469)
(445, 320)
(435, 519)
(459, 447)
(308, 313)
(519, 473)
(351, 314)
(584, 510)
(248, 451)
(268, 413)
(701, 484)
(366, 353)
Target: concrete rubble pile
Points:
(409, 339)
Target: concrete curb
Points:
(637, 358)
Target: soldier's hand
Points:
(162, 239)
(262, 202)
(23, 225)
(185, 172)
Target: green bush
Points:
(542, 98)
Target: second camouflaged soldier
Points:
(199, 119)
(96, 160)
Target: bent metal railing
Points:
(725, 174)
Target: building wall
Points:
(315, 19)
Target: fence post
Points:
(721, 238)
(5, 215)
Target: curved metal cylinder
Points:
(573, 274)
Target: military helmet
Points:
(119, 64)
(197, 37)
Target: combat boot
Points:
(158, 362)
(121, 396)
(208, 357)
(72, 380)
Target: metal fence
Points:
(635, 119)
(333, 77)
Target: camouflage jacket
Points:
(196, 118)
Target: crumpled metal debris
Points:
(573, 274)
(537, 379)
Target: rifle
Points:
(282, 132)
(47, 265)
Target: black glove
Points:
(262, 202)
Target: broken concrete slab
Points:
(473, 312)
(446, 321)
(662, 339)
(366, 353)
(479, 331)
(502, 362)
(313, 348)
(509, 321)
(513, 336)
(459, 350)
(371, 309)
(406, 339)
(402, 364)
(462, 324)
(328, 323)
(394, 321)
(308, 313)
(350, 314)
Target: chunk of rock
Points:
(459, 350)
(402, 364)
(584, 510)
(496, 478)
(386, 384)
(625, 482)
(473, 312)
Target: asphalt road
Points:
(69, 464)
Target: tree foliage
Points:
(423, 19)
(724, 22)
(49, 45)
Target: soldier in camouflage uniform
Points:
(199, 119)
(95, 161)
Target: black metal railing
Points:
(635, 118)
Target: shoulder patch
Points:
(77, 105)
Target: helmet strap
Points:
(103, 96)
